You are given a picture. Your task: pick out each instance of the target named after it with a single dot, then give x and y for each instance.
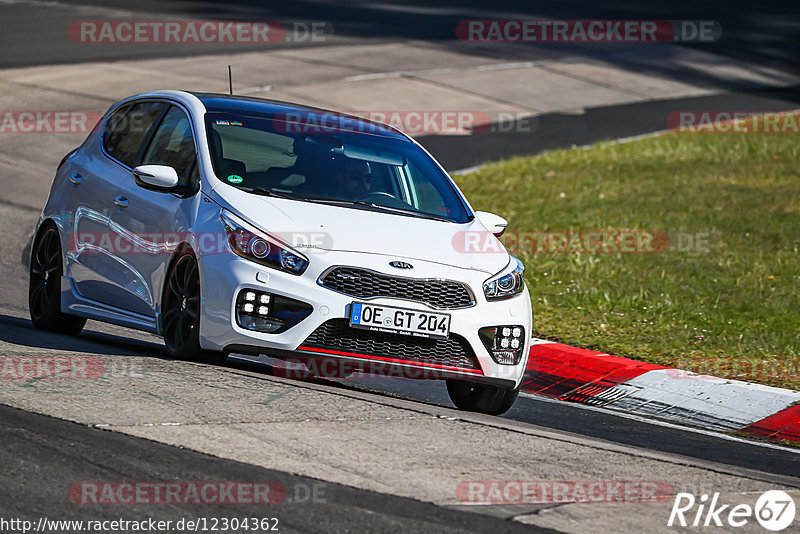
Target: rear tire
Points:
(44, 286)
(180, 319)
(483, 398)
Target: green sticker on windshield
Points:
(235, 179)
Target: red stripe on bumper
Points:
(390, 360)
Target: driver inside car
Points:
(353, 180)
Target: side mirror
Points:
(494, 223)
(156, 177)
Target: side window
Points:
(173, 145)
(425, 195)
(127, 128)
(193, 185)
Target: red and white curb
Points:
(578, 375)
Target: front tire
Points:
(483, 398)
(180, 319)
(44, 287)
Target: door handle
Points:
(76, 179)
(121, 202)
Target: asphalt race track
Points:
(162, 420)
(766, 33)
(45, 455)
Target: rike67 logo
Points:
(774, 510)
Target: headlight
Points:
(254, 245)
(506, 283)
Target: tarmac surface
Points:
(391, 453)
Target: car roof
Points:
(215, 102)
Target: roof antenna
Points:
(230, 80)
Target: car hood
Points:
(311, 227)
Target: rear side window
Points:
(173, 144)
(127, 128)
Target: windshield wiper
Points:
(336, 202)
(270, 193)
(412, 213)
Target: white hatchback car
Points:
(230, 224)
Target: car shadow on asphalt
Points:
(20, 332)
(17, 331)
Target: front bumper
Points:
(224, 275)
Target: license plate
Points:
(399, 320)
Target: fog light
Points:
(505, 357)
(271, 314)
(504, 343)
(255, 317)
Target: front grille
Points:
(337, 334)
(362, 283)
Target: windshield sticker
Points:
(228, 123)
(235, 179)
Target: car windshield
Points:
(357, 169)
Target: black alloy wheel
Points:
(180, 318)
(44, 288)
